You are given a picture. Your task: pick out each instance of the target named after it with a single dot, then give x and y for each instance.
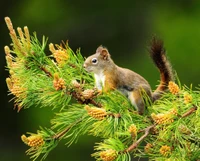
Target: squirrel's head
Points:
(99, 61)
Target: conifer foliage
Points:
(169, 130)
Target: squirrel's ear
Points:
(104, 53)
(99, 49)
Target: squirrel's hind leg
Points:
(137, 101)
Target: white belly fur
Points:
(99, 80)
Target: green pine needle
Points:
(169, 129)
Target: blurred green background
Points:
(124, 27)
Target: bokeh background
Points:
(124, 27)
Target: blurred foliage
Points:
(124, 27)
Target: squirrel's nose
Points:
(84, 65)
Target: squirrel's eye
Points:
(94, 61)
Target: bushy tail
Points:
(158, 54)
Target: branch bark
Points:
(189, 112)
(59, 135)
(77, 95)
(135, 144)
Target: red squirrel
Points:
(109, 76)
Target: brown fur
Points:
(158, 55)
(109, 76)
(138, 101)
(110, 83)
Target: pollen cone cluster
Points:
(163, 118)
(33, 140)
(133, 130)
(97, 113)
(60, 55)
(58, 83)
(108, 155)
(165, 150)
(148, 148)
(21, 43)
(187, 98)
(14, 85)
(173, 87)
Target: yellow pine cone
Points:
(88, 93)
(133, 130)
(60, 55)
(9, 23)
(108, 155)
(162, 118)
(187, 98)
(9, 61)
(173, 87)
(148, 148)
(15, 87)
(173, 111)
(58, 83)
(33, 140)
(97, 113)
(28, 39)
(9, 58)
(9, 83)
(165, 150)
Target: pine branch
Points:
(189, 112)
(170, 125)
(135, 144)
(46, 71)
(85, 97)
(59, 135)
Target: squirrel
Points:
(109, 76)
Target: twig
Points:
(135, 144)
(62, 133)
(115, 115)
(59, 135)
(91, 101)
(189, 112)
(46, 71)
(77, 96)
